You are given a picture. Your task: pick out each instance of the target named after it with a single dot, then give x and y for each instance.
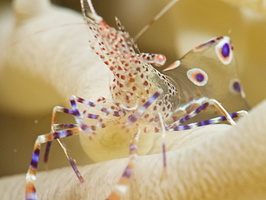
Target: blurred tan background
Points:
(187, 24)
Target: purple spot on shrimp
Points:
(199, 77)
(225, 50)
(237, 87)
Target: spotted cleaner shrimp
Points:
(143, 101)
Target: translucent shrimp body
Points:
(135, 81)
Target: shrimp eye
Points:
(224, 50)
(197, 76)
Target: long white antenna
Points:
(91, 15)
(91, 7)
(158, 16)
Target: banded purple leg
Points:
(71, 161)
(56, 109)
(75, 111)
(55, 127)
(226, 117)
(31, 174)
(204, 105)
(122, 185)
(215, 120)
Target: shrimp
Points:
(143, 101)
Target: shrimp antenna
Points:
(89, 14)
(158, 16)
